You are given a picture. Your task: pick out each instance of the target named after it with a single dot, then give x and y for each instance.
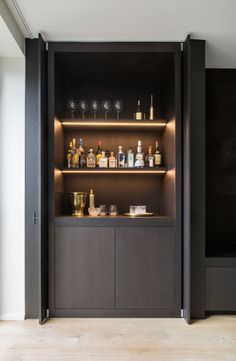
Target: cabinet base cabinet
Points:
(221, 289)
(114, 272)
(84, 267)
(145, 268)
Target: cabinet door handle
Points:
(35, 218)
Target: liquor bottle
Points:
(81, 154)
(103, 161)
(91, 159)
(99, 152)
(112, 161)
(150, 158)
(69, 155)
(130, 158)
(157, 156)
(138, 113)
(120, 158)
(91, 199)
(75, 157)
(151, 114)
(139, 159)
(107, 153)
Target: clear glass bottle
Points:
(120, 158)
(91, 159)
(150, 158)
(103, 161)
(139, 159)
(91, 199)
(99, 152)
(69, 155)
(130, 158)
(112, 161)
(157, 156)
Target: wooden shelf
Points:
(113, 170)
(114, 123)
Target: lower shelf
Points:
(112, 221)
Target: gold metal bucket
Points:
(77, 203)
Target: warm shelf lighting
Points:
(126, 171)
(114, 124)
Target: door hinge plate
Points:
(182, 46)
(47, 313)
(182, 313)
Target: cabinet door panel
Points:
(84, 267)
(145, 267)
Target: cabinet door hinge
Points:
(47, 313)
(47, 46)
(182, 46)
(182, 313)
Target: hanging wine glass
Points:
(95, 107)
(118, 107)
(83, 107)
(73, 106)
(106, 107)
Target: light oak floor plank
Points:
(213, 339)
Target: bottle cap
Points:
(139, 143)
(91, 191)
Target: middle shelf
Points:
(86, 170)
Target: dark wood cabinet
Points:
(145, 275)
(116, 266)
(84, 267)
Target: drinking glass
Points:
(95, 107)
(83, 107)
(103, 210)
(113, 210)
(73, 106)
(106, 107)
(118, 106)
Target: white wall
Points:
(12, 176)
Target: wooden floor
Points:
(119, 339)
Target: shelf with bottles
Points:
(106, 161)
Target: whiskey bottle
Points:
(120, 158)
(150, 158)
(138, 113)
(99, 152)
(91, 159)
(139, 159)
(130, 158)
(81, 155)
(112, 161)
(157, 156)
(69, 155)
(75, 157)
(103, 161)
(107, 153)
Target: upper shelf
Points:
(114, 123)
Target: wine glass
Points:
(83, 107)
(95, 107)
(118, 106)
(73, 106)
(106, 107)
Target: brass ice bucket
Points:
(77, 202)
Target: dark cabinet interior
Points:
(127, 75)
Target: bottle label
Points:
(157, 159)
(150, 162)
(130, 160)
